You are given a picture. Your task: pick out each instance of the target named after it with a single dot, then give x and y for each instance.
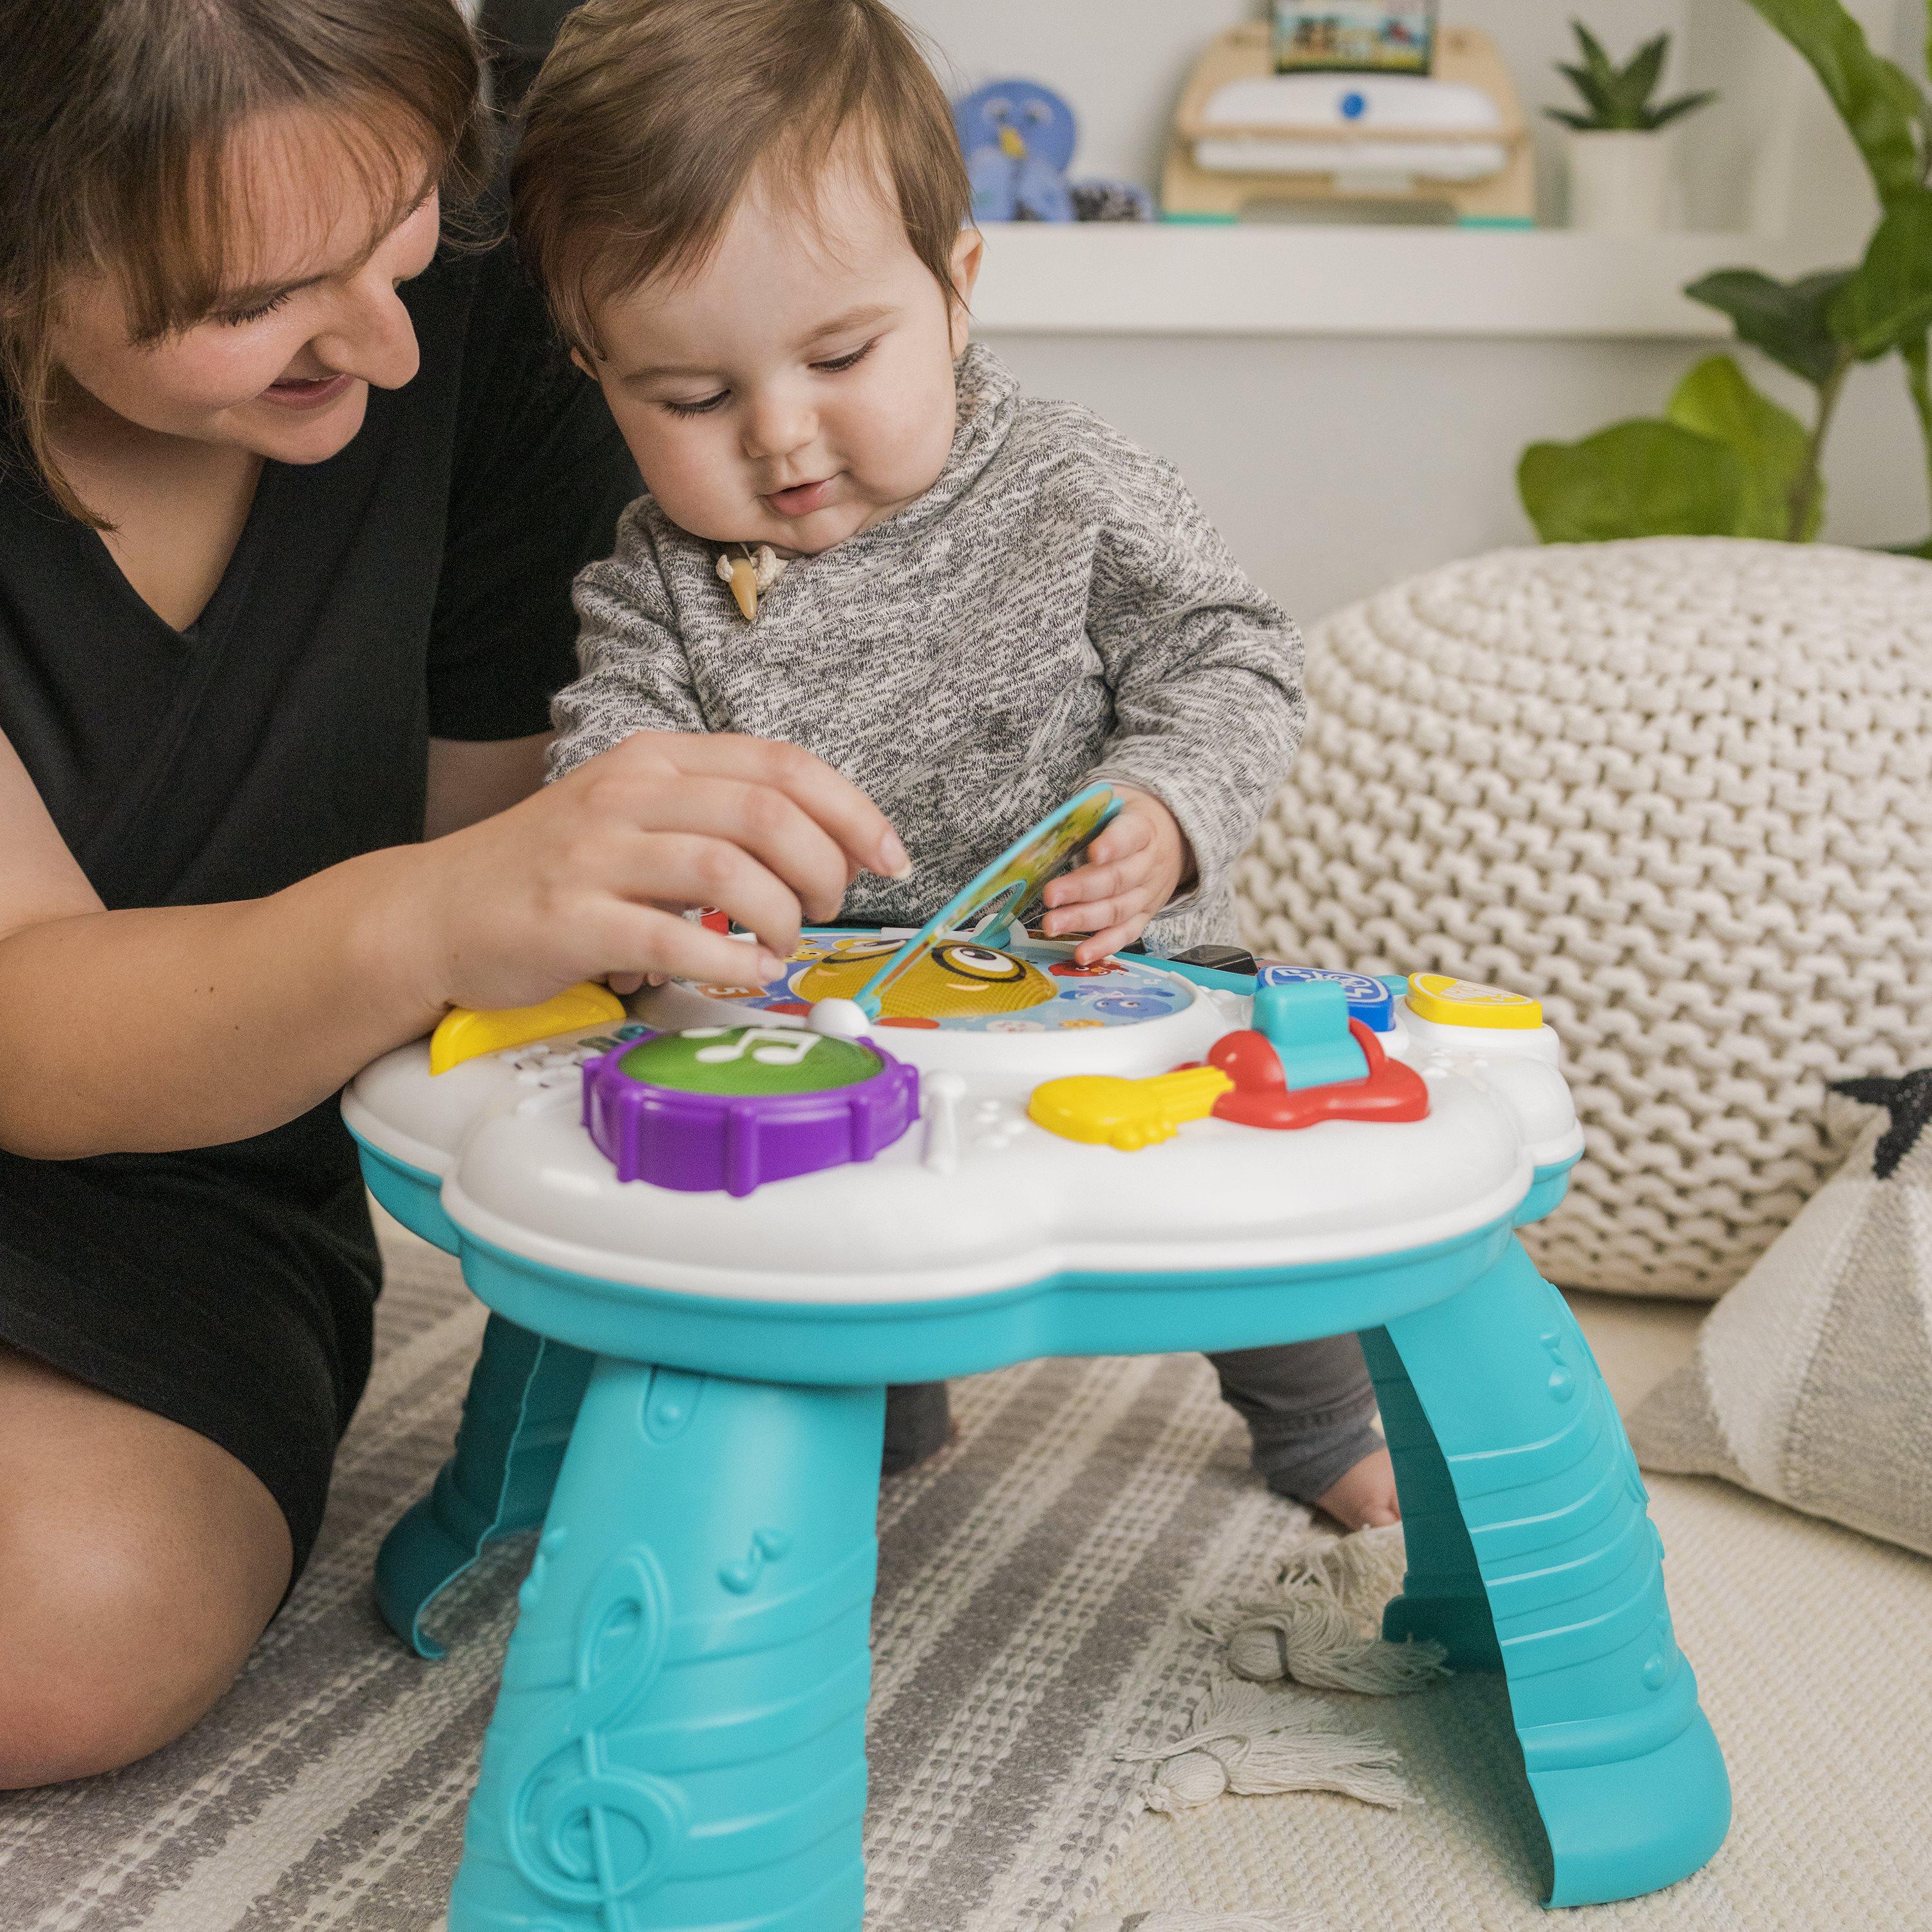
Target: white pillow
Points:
(1812, 1383)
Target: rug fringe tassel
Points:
(1321, 1631)
(1248, 1740)
(1199, 1921)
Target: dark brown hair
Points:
(114, 117)
(651, 118)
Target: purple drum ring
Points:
(697, 1142)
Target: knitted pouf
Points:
(1680, 789)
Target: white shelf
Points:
(1160, 279)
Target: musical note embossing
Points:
(768, 1546)
(582, 1830)
(671, 1401)
(769, 1046)
(1562, 1383)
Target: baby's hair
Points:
(651, 118)
(115, 119)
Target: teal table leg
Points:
(1443, 1598)
(522, 1399)
(1522, 1500)
(679, 1743)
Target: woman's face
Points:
(311, 319)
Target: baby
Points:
(750, 218)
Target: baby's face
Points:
(797, 388)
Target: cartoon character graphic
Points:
(1130, 1005)
(953, 980)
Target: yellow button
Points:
(1468, 1003)
(1106, 1111)
(464, 1032)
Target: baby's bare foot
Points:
(1363, 1497)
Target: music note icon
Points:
(769, 1046)
(588, 1832)
(768, 1546)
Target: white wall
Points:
(1336, 466)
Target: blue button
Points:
(1354, 105)
(1306, 1023)
(1369, 1000)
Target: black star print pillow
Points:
(1812, 1383)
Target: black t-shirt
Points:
(415, 584)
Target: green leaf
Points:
(1673, 110)
(1880, 105)
(1596, 95)
(1887, 301)
(1643, 478)
(1646, 68)
(1618, 97)
(1593, 85)
(1772, 447)
(1788, 320)
(1596, 56)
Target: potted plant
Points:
(1724, 459)
(1619, 159)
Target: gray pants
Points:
(1307, 1405)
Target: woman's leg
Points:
(139, 1563)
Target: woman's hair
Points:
(115, 117)
(651, 118)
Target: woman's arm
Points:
(178, 1026)
(181, 1027)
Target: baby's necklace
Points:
(750, 574)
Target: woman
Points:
(293, 494)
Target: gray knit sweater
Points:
(1055, 609)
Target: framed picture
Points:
(1354, 36)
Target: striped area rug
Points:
(1026, 1630)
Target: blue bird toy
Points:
(1017, 138)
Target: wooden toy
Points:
(1244, 134)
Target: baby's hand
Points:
(1130, 872)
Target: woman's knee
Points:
(136, 1569)
(107, 1651)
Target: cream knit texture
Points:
(1681, 790)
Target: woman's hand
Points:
(588, 879)
(250, 1012)
(1132, 870)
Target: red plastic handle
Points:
(1262, 1097)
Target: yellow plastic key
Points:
(465, 1032)
(1104, 1109)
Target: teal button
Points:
(1306, 1023)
